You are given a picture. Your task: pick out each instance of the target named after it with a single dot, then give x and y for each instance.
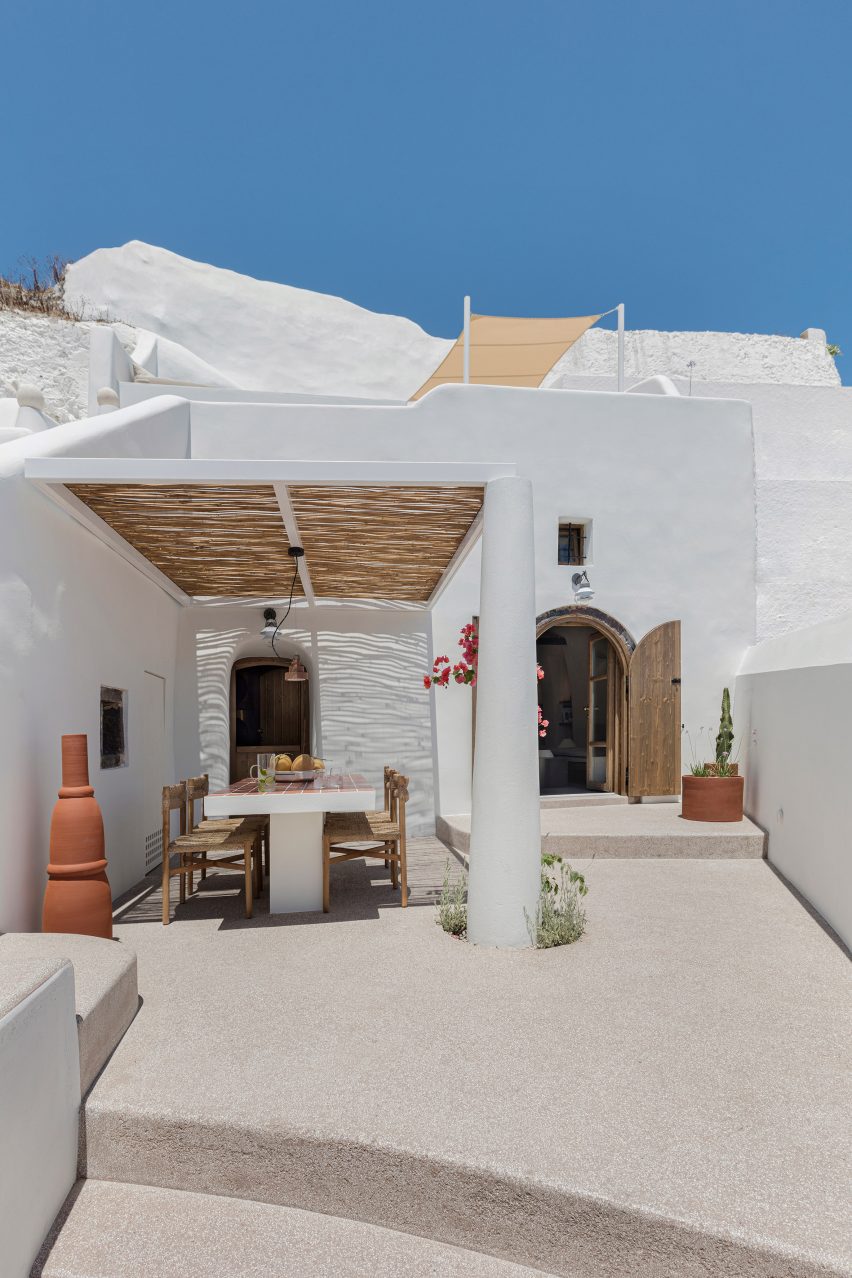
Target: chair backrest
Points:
(389, 773)
(197, 789)
(398, 799)
(174, 800)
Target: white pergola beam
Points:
(463, 549)
(199, 470)
(294, 537)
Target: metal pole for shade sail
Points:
(620, 310)
(466, 377)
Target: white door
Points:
(153, 767)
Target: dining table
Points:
(295, 810)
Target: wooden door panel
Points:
(599, 715)
(281, 713)
(280, 709)
(654, 713)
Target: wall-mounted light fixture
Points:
(270, 625)
(583, 592)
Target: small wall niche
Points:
(113, 727)
(574, 546)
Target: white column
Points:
(620, 379)
(505, 843)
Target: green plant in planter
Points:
(725, 738)
(697, 766)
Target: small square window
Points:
(113, 728)
(573, 542)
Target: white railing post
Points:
(620, 310)
(505, 841)
(466, 376)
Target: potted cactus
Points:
(714, 791)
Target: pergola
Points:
(213, 529)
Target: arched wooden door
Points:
(653, 700)
(267, 712)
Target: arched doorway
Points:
(613, 705)
(267, 712)
(585, 655)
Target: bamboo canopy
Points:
(509, 351)
(389, 542)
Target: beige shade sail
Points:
(507, 350)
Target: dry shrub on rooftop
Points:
(38, 289)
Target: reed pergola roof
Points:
(361, 541)
(207, 539)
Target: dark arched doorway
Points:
(584, 654)
(613, 700)
(267, 712)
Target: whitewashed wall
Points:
(793, 707)
(803, 485)
(368, 704)
(73, 616)
(39, 1104)
(667, 481)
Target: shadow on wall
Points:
(375, 710)
(368, 704)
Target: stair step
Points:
(109, 1230)
(589, 799)
(625, 830)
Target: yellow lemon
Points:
(283, 763)
(318, 765)
(304, 763)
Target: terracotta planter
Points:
(712, 799)
(78, 896)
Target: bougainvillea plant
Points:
(464, 670)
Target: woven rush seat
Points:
(360, 827)
(383, 833)
(229, 846)
(197, 789)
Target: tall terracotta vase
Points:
(78, 896)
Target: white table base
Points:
(295, 862)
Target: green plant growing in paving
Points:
(452, 905)
(560, 918)
(725, 737)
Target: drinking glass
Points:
(265, 769)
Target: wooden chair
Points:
(232, 848)
(384, 830)
(197, 789)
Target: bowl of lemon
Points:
(303, 768)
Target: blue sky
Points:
(689, 157)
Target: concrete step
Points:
(109, 1230)
(626, 830)
(584, 799)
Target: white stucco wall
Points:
(793, 707)
(260, 334)
(803, 491)
(39, 1104)
(368, 704)
(651, 471)
(716, 357)
(648, 470)
(73, 616)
